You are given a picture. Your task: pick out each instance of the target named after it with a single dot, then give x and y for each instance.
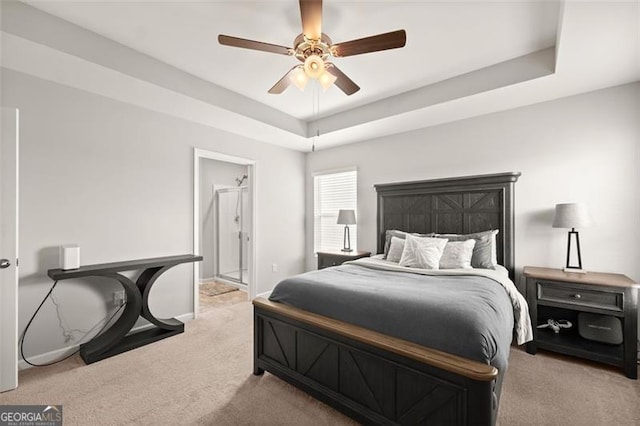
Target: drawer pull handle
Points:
(576, 296)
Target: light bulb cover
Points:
(299, 78)
(326, 79)
(314, 66)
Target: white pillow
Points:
(395, 249)
(484, 252)
(422, 253)
(457, 255)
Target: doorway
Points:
(224, 223)
(9, 142)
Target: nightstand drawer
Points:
(562, 293)
(328, 261)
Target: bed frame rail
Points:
(369, 376)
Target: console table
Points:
(115, 340)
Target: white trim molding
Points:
(9, 247)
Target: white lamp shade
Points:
(572, 215)
(299, 78)
(326, 79)
(346, 217)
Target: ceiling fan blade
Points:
(283, 83)
(311, 13)
(392, 40)
(342, 81)
(254, 45)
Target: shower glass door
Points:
(232, 235)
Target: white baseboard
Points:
(47, 357)
(204, 280)
(57, 354)
(185, 317)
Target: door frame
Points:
(9, 286)
(199, 154)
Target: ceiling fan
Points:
(313, 48)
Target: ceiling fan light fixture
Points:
(312, 47)
(314, 66)
(299, 78)
(326, 80)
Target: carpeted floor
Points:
(203, 377)
(551, 389)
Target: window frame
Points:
(352, 228)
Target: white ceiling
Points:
(443, 40)
(441, 75)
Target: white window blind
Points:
(332, 192)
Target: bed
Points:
(368, 368)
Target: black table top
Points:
(129, 265)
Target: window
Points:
(332, 192)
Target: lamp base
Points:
(574, 270)
(347, 240)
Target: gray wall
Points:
(118, 180)
(582, 148)
(213, 172)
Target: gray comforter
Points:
(467, 315)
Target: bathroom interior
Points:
(225, 232)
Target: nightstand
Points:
(552, 293)
(327, 259)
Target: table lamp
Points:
(572, 215)
(346, 218)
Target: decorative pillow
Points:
(484, 253)
(424, 253)
(395, 249)
(398, 234)
(457, 255)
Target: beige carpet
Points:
(203, 376)
(552, 389)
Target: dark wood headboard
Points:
(460, 205)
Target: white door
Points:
(9, 250)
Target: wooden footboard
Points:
(371, 377)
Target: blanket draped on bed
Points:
(470, 313)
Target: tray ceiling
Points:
(461, 60)
(444, 39)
